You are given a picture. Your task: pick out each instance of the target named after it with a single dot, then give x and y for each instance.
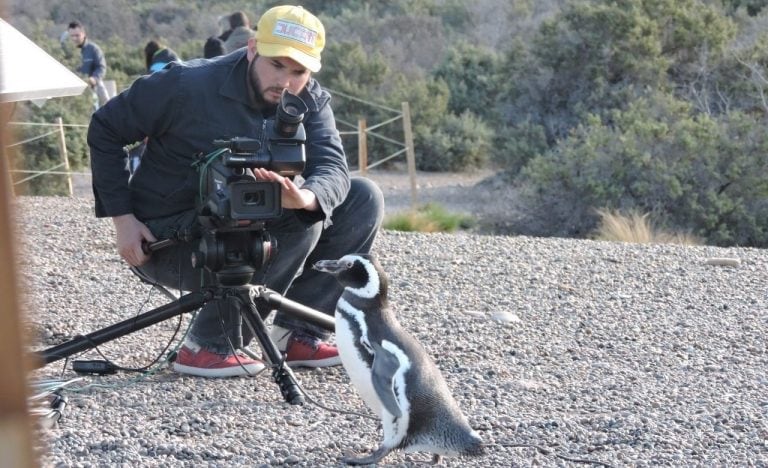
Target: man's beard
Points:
(255, 83)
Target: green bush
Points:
(454, 144)
(696, 174)
(514, 146)
(472, 76)
(595, 56)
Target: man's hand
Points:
(92, 81)
(131, 233)
(293, 197)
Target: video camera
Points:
(233, 206)
(230, 196)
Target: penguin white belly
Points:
(357, 369)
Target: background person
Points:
(157, 56)
(213, 47)
(224, 27)
(93, 65)
(240, 32)
(325, 216)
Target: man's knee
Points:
(360, 216)
(366, 198)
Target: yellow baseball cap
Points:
(291, 31)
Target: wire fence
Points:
(361, 130)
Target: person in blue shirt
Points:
(93, 65)
(157, 56)
(181, 110)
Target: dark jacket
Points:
(93, 62)
(183, 109)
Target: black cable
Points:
(168, 344)
(154, 361)
(548, 451)
(327, 408)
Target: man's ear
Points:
(251, 48)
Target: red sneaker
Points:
(309, 351)
(194, 360)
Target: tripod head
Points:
(234, 256)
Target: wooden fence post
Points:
(362, 147)
(409, 153)
(16, 432)
(63, 151)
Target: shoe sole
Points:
(327, 362)
(245, 370)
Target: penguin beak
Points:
(330, 266)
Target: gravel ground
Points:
(628, 355)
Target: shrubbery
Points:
(689, 172)
(453, 144)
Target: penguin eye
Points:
(349, 264)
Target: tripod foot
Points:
(286, 380)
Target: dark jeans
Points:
(299, 245)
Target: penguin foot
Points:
(375, 457)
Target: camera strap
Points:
(201, 165)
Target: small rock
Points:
(474, 313)
(292, 460)
(505, 317)
(723, 261)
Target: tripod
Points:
(234, 278)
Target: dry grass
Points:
(637, 228)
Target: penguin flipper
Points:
(385, 365)
(374, 457)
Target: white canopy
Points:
(27, 72)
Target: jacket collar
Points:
(234, 86)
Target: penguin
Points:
(392, 371)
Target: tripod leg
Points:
(282, 374)
(277, 301)
(186, 303)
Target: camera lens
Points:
(255, 198)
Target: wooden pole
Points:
(15, 423)
(63, 152)
(362, 147)
(409, 153)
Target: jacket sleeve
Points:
(326, 172)
(94, 64)
(144, 109)
(99, 64)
